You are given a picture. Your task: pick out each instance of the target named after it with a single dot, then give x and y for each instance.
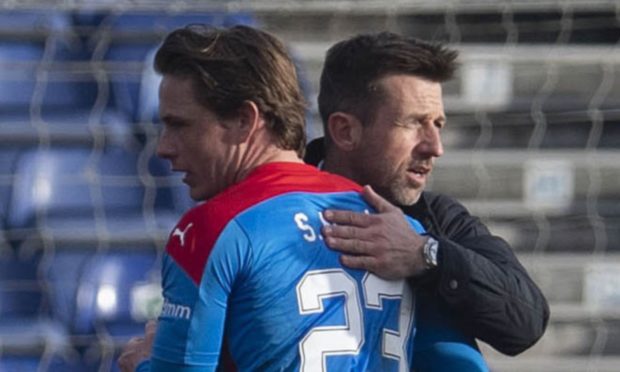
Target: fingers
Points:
(360, 219)
(359, 262)
(127, 359)
(348, 218)
(132, 343)
(376, 200)
(346, 232)
(149, 333)
(150, 328)
(349, 246)
(124, 362)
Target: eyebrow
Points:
(170, 118)
(425, 116)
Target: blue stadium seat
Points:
(33, 21)
(19, 286)
(118, 291)
(9, 363)
(34, 41)
(46, 83)
(64, 267)
(100, 296)
(33, 362)
(26, 327)
(77, 194)
(28, 78)
(81, 126)
(8, 160)
(126, 42)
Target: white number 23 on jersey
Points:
(348, 338)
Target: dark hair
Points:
(353, 66)
(230, 66)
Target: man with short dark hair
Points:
(381, 105)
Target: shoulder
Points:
(192, 239)
(442, 205)
(439, 201)
(442, 215)
(451, 218)
(266, 184)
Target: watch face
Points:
(430, 252)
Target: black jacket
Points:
(479, 277)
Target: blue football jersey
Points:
(250, 267)
(440, 344)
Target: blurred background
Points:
(532, 148)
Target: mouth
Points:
(419, 173)
(420, 170)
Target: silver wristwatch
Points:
(430, 249)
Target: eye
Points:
(175, 124)
(407, 124)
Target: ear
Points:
(249, 119)
(345, 130)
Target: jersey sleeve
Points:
(191, 325)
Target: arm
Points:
(197, 280)
(173, 344)
(136, 355)
(493, 295)
(480, 277)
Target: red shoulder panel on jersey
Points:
(191, 241)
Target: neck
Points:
(339, 164)
(277, 155)
(259, 151)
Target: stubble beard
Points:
(402, 193)
(396, 189)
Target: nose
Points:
(431, 144)
(165, 146)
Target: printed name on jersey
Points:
(310, 233)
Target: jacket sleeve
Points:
(481, 279)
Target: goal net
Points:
(532, 147)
